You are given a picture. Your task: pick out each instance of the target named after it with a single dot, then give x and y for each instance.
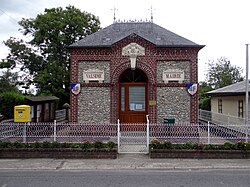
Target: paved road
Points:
(127, 170)
(122, 178)
(124, 162)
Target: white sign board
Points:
(93, 75)
(173, 75)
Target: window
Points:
(240, 108)
(219, 105)
(123, 99)
(137, 98)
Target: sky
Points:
(223, 26)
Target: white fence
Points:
(218, 118)
(133, 138)
(60, 132)
(206, 133)
(226, 122)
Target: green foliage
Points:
(98, 145)
(45, 56)
(205, 103)
(167, 145)
(8, 82)
(110, 145)
(243, 146)
(222, 73)
(86, 145)
(53, 145)
(8, 101)
(229, 146)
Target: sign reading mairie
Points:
(93, 75)
(173, 75)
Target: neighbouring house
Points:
(42, 108)
(229, 100)
(130, 69)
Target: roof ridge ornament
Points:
(114, 9)
(133, 50)
(133, 21)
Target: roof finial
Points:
(151, 11)
(114, 9)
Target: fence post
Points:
(54, 130)
(147, 133)
(118, 135)
(25, 132)
(208, 132)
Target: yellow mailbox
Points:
(22, 113)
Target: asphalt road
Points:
(122, 178)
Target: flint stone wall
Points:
(173, 102)
(94, 105)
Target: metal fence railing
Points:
(219, 118)
(60, 132)
(225, 122)
(204, 133)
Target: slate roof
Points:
(151, 32)
(233, 89)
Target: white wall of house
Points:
(229, 105)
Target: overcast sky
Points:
(222, 25)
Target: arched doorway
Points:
(133, 96)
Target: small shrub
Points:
(244, 146)
(110, 145)
(213, 147)
(86, 145)
(167, 145)
(229, 146)
(6, 145)
(75, 145)
(36, 145)
(156, 144)
(188, 145)
(64, 145)
(18, 145)
(98, 145)
(55, 145)
(46, 145)
(178, 146)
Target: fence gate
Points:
(133, 138)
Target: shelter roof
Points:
(42, 98)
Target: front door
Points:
(133, 97)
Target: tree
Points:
(8, 82)
(45, 56)
(204, 101)
(222, 73)
(8, 100)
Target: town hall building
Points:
(132, 69)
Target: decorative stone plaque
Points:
(93, 76)
(173, 75)
(133, 50)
